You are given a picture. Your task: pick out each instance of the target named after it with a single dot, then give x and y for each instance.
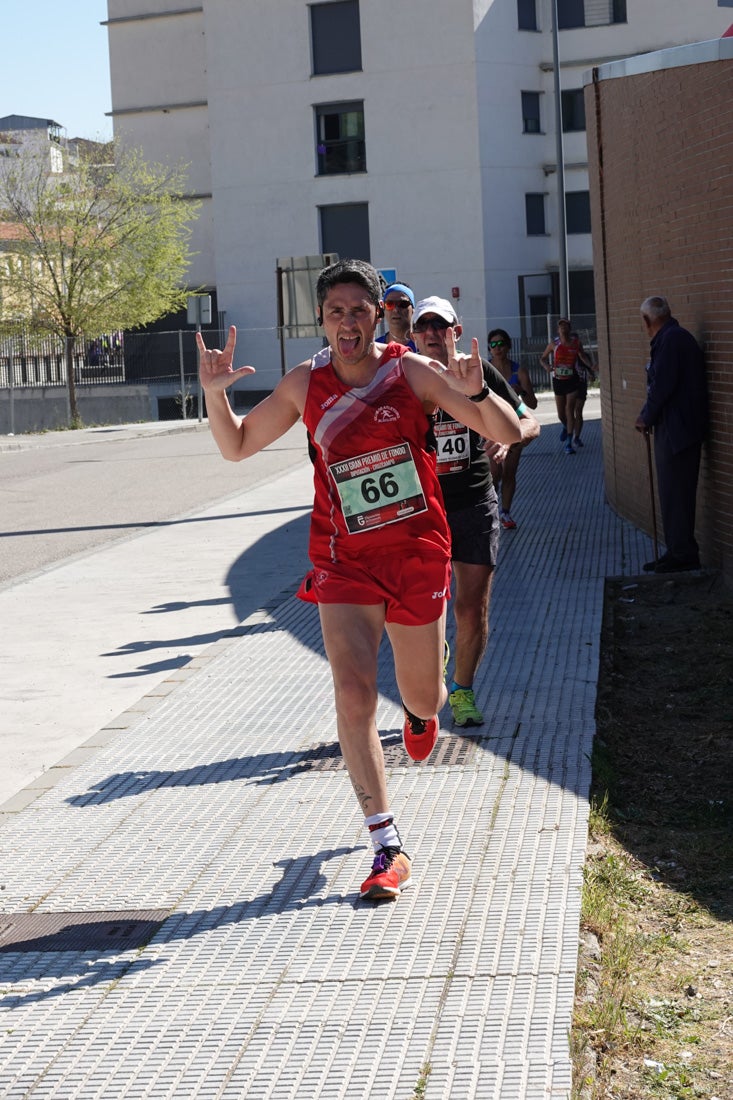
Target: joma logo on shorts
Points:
(439, 595)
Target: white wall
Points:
(421, 114)
(447, 163)
(510, 61)
(157, 69)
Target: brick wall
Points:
(660, 148)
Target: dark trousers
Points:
(677, 486)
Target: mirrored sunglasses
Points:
(435, 323)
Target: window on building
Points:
(590, 13)
(570, 13)
(577, 211)
(340, 144)
(345, 229)
(582, 294)
(539, 306)
(335, 37)
(535, 213)
(573, 110)
(527, 15)
(618, 11)
(531, 112)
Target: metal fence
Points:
(38, 360)
(33, 359)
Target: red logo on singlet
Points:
(384, 414)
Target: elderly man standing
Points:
(676, 410)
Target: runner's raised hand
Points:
(215, 366)
(465, 372)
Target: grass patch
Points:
(654, 995)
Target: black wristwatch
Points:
(476, 397)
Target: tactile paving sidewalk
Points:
(203, 867)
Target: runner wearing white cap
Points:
(464, 471)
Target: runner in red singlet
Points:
(379, 543)
(566, 351)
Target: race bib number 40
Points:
(454, 449)
(378, 488)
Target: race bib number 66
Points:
(378, 488)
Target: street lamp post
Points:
(562, 239)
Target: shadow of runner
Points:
(255, 581)
(63, 953)
(268, 767)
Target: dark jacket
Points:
(676, 388)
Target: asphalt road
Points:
(124, 554)
(67, 493)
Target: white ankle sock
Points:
(382, 831)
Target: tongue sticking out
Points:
(348, 347)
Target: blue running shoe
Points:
(563, 435)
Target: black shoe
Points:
(677, 565)
(651, 566)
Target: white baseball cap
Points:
(440, 306)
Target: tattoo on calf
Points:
(363, 798)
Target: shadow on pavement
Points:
(300, 887)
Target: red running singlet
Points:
(564, 358)
(376, 489)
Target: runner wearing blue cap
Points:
(399, 302)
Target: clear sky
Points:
(55, 64)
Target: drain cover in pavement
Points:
(107, 931)
(450, 749)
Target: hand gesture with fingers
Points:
(465, 372)
(215, 366)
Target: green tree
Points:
(98, 247)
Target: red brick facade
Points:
(660, 149)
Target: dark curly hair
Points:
(349, 271)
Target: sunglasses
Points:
(437, 325)
(397, 303)
(497, 343)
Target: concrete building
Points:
(21, 134)
(420, 136)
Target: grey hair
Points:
(655, 308)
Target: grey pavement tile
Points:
(224, 802)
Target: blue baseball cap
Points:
(404, 290)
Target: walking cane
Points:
(647, 437)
